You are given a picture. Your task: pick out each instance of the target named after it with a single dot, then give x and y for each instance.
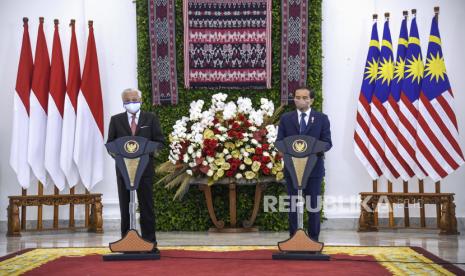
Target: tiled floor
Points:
(450, 248)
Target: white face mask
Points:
(132, 107)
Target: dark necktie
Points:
(133, 125)
(303, 125)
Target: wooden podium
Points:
(132, 155)
(300, 157)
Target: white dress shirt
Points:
(130, 117)
(306, 118)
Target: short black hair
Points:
(311, 92)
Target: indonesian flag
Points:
(88, 147)
(20, 131)
(69, 116)
(55, 113)
(38, 106)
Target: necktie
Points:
(303, 125)
(133, 125)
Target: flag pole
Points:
(375, 182)
(24, 191)
(438, 183)
(71, 190)
(405, 183)
(421, 187)
(391, 212)
(40, 188)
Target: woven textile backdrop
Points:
(191, 214)
(227, 44)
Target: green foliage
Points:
(191, 213)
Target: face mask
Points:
(302, 104)
(132, 107)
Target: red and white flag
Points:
(89, 146)
(20, 130)
(38, 106)
(55, 113)
(69, 115)
(438, 150)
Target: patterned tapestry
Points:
(163, 52)
(294, 40)
(227, 43)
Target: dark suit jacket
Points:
(148, 126)
(319, 128)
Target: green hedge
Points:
(191, 213)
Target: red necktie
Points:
(133, 125)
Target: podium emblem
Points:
(131, 146)
(299, 145)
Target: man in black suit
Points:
(306, 121)
(135, 122)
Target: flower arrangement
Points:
(227, 140)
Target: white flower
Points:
(269, 165)
(238, 176)
(210, 173)
(199, 153)
(195, 111)
(267, 106)
(189, 172)
(242, 167)
(225, 151)
(185, 158)
(272, 133)
(190, 149)
(244, 105)
(229, 111)
(204, 163)
(256, 116)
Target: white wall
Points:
(115, 34)
(346, 31)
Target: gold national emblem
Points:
(299, 145)
(131, 146)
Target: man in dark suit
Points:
(306, 121)
(145, 124)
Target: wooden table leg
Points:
(259, 188)
(232, 205)
(421, 189)
(13, 220)
(219, 224)
(23, 212)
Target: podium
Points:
(131, 154)
(300, 157)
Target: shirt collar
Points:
(307, 112)
(130, 115)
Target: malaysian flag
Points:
(438, 150)
(362, 127)
(408, 104)
(392, 119)
(379, 142)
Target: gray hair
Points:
(127, 90)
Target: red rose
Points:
(204, 169)
(229, 173)
(265, 146)
(266, 170)
(256, 158)
(265, 159)
(259, 151)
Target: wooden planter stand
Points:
(93, 221)
(446, 221)
(233, 184)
